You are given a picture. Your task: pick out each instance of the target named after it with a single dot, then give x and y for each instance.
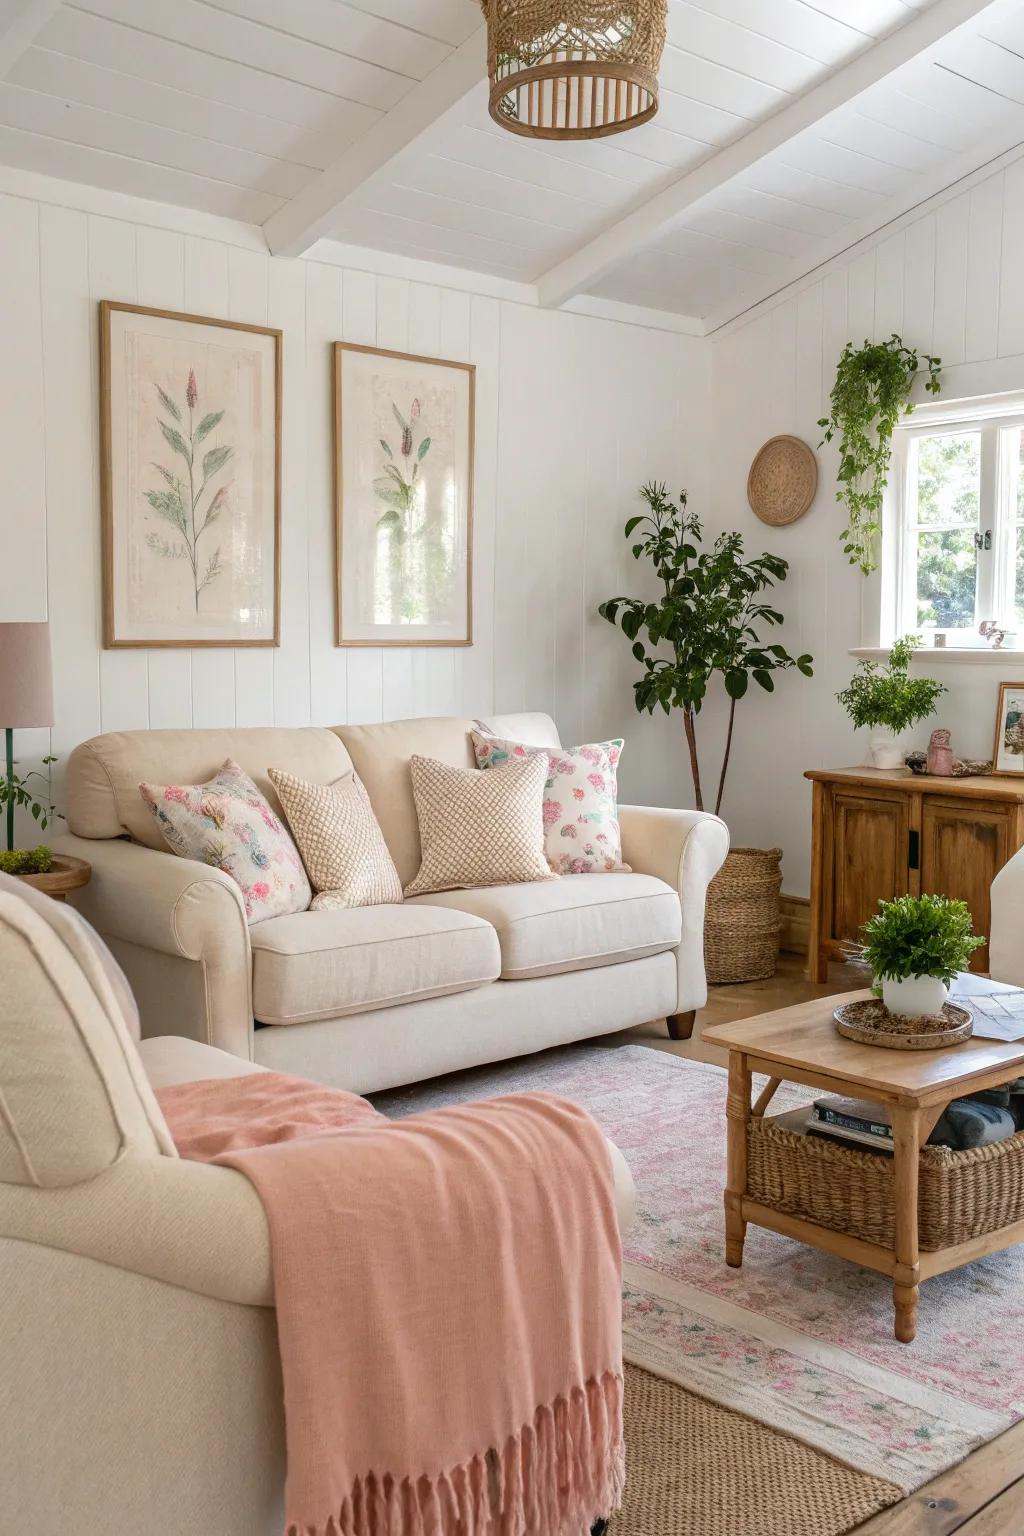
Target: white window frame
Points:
(990, 416)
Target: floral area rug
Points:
(797, 1339)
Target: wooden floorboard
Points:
(984, 1495)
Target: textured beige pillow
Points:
(479, 828)
(341, 844)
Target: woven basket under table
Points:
(743, 916)
(961, 1194)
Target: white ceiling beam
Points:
(614, 245)
(21, 22)
(311, 213)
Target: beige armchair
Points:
(140, 1387)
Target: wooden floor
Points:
(984, 1495)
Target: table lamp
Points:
(26, 690)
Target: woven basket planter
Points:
(743, 917)
(961, 1194)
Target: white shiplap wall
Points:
(949, 280)
(572, 414)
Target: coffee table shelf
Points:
(801, 1045)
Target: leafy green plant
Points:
(919, 936)
(870, 395)
(26, 861)
(887, 696)
(706, 617)
(16, 789)
(180, 504)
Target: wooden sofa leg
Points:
(680, 1025)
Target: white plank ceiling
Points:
(235, 107)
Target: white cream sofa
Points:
(1006, 923)
(379, 996)
(140, 1387)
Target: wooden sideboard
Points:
(879, 833)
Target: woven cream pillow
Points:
(479, 828)
(341, 844)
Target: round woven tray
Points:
(782, 480)
(870, 1022)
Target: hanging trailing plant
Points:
(870, 395)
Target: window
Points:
(957, 547)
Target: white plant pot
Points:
(886, 749)
(917, 996)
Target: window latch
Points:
(983, 540)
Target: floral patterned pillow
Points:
(228, 823)
(581, 824)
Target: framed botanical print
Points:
(403, 451)
(191, 479)
(1008, 751)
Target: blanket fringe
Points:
(555, 1477)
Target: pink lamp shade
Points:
(26, 683)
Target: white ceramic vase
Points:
(915, 996)
(886, 748)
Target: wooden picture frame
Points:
(1009, 695)
(151, 545)
(376, 566)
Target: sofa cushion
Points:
(572, 923)
(321, 965)
(340, 840)
(382, 754)
(479, 828)
(104, 774)
(228, 824)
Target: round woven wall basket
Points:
(782, 480)
(743, 916)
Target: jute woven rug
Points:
(796, 1339)
(695, 1469)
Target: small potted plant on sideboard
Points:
(915, 945)
(888, 701)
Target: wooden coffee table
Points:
(802, 1045)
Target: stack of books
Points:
(852, 1120)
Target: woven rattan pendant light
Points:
(573, 69)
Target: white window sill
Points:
(974, 655)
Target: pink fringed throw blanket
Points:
(448, 1305)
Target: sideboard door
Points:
(871, 836)
(964, 845)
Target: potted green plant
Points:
(17, 790)
(705, 623)
(888, 701)
(870, 395)
(915, 945)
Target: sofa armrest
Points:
(686, 849)
(147, 903)
(1005, 949)
(193, 1225)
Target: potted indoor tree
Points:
(705, 623)
(888, 701)
(915, 945)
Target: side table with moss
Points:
(52, 873)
